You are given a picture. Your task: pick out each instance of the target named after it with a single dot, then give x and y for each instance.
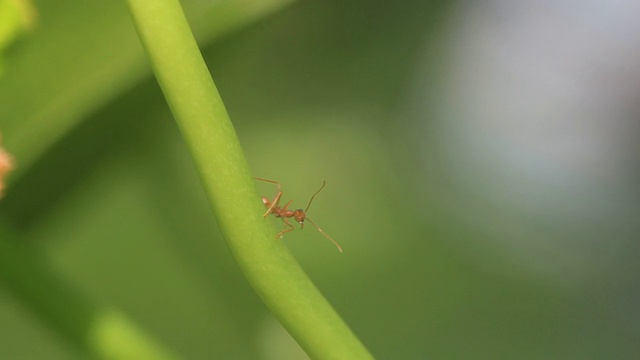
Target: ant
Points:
(284, 213)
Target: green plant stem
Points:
(205, 126)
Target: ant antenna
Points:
(314, 195)
(325, 234)
(314, 224)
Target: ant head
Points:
(299, 216)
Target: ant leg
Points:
(281, 233)
(287, 206)
(270, 181)
(274, 204)
(276, 199)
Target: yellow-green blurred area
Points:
(481, 162)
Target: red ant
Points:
(284, 213)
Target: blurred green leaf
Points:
(16, 16)
(80, 58)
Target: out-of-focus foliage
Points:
(16, 16)
(352, 92)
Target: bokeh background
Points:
(481, 161)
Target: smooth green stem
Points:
(205, 126)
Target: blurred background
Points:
(481, 163)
